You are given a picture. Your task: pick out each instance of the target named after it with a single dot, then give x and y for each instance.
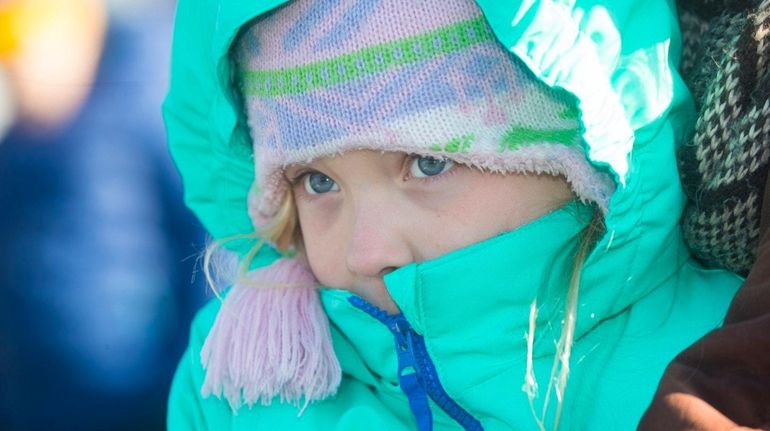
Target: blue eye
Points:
(317, 183)
(426, 166)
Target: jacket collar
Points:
(470, 300)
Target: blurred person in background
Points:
(49, 52)
(96, 248)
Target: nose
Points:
(378, 242)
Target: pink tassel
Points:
(271, 338)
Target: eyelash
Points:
(410, 158)
(298, 177)
(296, 183)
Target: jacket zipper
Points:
(412, 353)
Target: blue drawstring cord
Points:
(423, 381)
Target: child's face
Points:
(366, 213)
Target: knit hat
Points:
(724, 167)
(319, 78)
(428, 78)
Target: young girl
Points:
(449, 214)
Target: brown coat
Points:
(722, 382)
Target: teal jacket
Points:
(642, 297)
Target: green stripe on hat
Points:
(368, 61)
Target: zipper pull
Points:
(408, 376)
(417, 380)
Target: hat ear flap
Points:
(271, 338)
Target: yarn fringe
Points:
(271, 339)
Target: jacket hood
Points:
(619, 58)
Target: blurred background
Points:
(99, 273)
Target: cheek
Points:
(324, 245)
(490, 205)
(507, 202)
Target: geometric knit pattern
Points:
(322, 77)
(726, 64)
